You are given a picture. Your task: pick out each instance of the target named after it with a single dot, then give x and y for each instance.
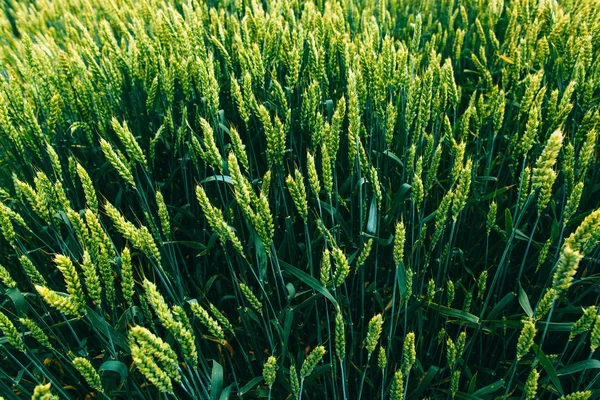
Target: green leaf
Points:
(490, 388)
(191, 245)
(463, 395)
(401, 273)
(115, 366)
(221, 178)
(578, 367)
(261, 256)
(216, 381)
(524, 302)
(18, 300)
(454, 313)
(425, 382)
(109, 332)
(509, 297)
(549, 368)
(248, 386)
(393, 157)
(225, 393)
(309, 280)
(372, 221)
(508, 221)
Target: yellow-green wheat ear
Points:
(298, 193)
(595, 336)
(410, 354)
(374, 330)
(270, 371)
(11, 333)
(325, 273)
(127, 282)
(88, 189)
(118, 162)
(340, 336)
(148, 367)
(6, 226)
(566, 269)
(526, 337)
(530, 389)
(251, 298)
(74, 288)
(584, 395)
(450, 292)
(7, 279)
(163, 214)
(451, 353)
(294, 382)
(584, 323)
(36, 332)
(43, 392)
(213, 326)
(63, 304)
(89, 373)
(31, 271)
(92, 280)
(545, 304)
(342, 268)
(397, 388)
(309, 364)
(454, 381)
(381, 358)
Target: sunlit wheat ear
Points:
(118, 162)
(6, 226)
(6, 278)
(92, 281)
(163, 214)
(270, 371)
(216, 221)
(131, 145)
(154, 352)
(127, 283)
(251, 298)
(63, 304)
(373, 333)
(211, 150)
(342, 268)
(43, 392)
(595, 335)
(545, 304)
(531, 384)
(566, 269)
(89, 373)
(298, 193)
(584, 323)
(577, 396)
(36, 332)
(11, 333)
(526, 337)
(410, 354)
(587, 234)
(74, 289)
(212, 325)
(311, 361)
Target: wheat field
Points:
(283, 199)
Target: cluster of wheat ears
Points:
(321, 199)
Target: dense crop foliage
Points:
(299, 199)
